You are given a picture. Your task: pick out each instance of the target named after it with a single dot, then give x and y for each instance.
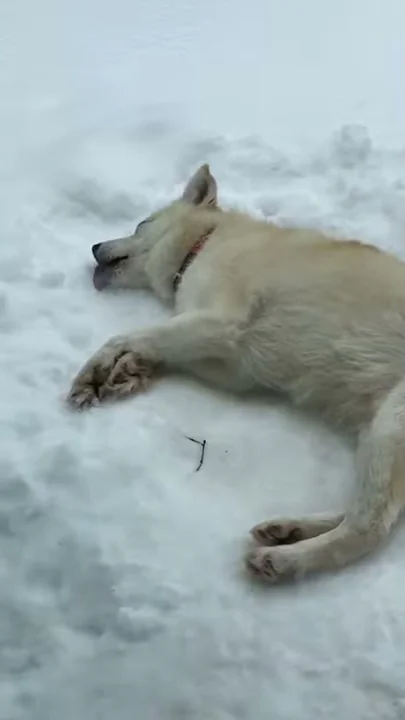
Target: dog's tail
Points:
(379, 501)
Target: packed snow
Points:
(123, 593)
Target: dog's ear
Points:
(201, 189)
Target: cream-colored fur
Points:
(318, 319)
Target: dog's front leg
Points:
(124, 364)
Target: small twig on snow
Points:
(202, 444)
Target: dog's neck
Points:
(189, 257)
(176, 251)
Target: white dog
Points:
(286, 310)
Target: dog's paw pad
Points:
(260, 563)
(125, 387)
(82, 398)
(129, 366)
(276, 533)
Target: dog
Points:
(256, 306)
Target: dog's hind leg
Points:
(284, 531)
(380, 500)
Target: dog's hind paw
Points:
(277, 532)
(269, 564)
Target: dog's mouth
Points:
(104, 271)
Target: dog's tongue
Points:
(101, 276)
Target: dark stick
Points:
(202, 445)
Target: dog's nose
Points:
(95, 248)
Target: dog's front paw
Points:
(130, 374)
(115, 371)
(82, 396)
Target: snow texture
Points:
(122, 593)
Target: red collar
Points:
(197, 247)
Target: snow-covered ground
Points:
(122, 593)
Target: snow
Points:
(122, 588)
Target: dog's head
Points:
(122, 263)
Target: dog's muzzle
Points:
(105, 269)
